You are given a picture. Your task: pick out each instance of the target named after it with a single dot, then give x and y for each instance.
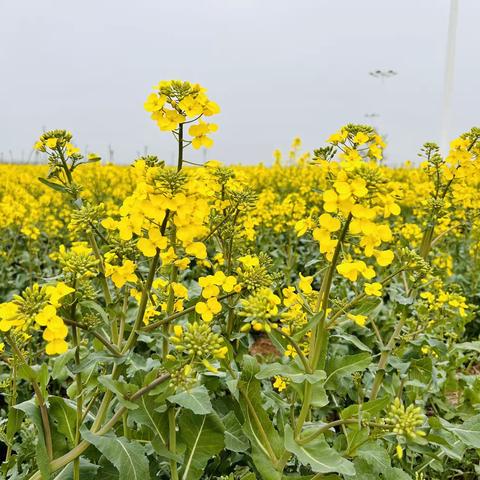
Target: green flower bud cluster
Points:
(85, 290)
(91, 320)
(254, 278)
(198, 341)
(80, 264)
(183, 378)
(415, 262)
(123, 249)
(223, 175)
(31, 301)
(171, 181)
(87, 216)
(405, 420)
(151, 161)
(261, 306)
(244, 199)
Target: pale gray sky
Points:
(278, 68)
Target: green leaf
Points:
(196, 399)
(468, 346)
(121, 389)
(97, 357)
(147, 415)
(318, 454)
(204, 438)
(235, 439)
(396, 474)
(65, 417)
(375, 455)
(55, 186)
(353, 340)
(128, 457)
(33, 412)
(347, 365)
(468, 432)
(368, 307)
(88, 471)
(372, 407)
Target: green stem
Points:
(111, 348)
(172, 441)
(319, 343)
(382, 363)
(78, 380)
(38, 393)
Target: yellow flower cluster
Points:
(175, 102)
(38, 308)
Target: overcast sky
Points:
(278, 69)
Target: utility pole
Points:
(449, 75)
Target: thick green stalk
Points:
(38, 393)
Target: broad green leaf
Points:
(347, 365)
(468, 432)
(128, 457)
(318, 454)
(467, 346)
(148, 416)
(204, 438)
(319, 395)
(372, 407)
(60, 371)
(196, 399)
(396, 474)
(64, 415)
(375, 455)
(88, 471)
(121, 389)
(235, 439)
(33, 412)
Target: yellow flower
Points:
(351, 270)
(305, 284)
(51, 142)
(329, 223)
(208, 309)
(374, 289)
(358, 319)
(148, 246)
(280, 383)
(121, 274)
(197, 249)
(57, 292)
(361, 138)
(199, 132)
(399, 451)
(9, 316)
(154, 102)
(249, 261)
(384, 257)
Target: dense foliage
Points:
(313, 319)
